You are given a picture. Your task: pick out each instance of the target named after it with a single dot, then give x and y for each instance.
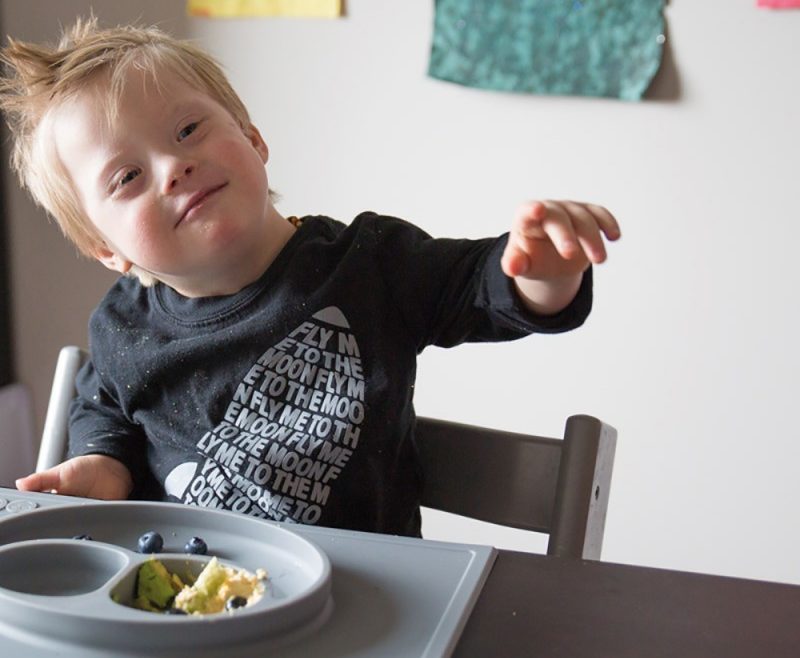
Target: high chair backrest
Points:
(559, 486)
(53, 447)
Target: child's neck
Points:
(277, 232)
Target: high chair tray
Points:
(330, 593)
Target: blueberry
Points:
(83, 537)
(151, 542)
(196, 546)
(235, 602)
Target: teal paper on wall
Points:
(608, 48)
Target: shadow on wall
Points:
(16, 434)
(666, 85)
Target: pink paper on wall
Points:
(779, 4)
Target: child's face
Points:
(174, 185)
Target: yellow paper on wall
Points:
(238, 8)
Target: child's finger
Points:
(558, 226)
(514, 261)
(49, 480)
(545, 220)
(607, 221)
(587, 228)
(528, 220)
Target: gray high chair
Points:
(558, 486)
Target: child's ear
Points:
(111, 259)
(258, 142)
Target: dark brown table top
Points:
(544, 607)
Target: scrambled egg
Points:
(216, 585)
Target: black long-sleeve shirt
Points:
(292, 399)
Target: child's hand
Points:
(550, 246)
(90, 476)
(553, 239)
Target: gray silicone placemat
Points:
(391, 597)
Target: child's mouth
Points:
(197, 201)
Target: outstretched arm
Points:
(550, 246)
(89, 476)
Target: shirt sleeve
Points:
(97, 426)
(498, 294)
(451, 291)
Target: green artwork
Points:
(606, 48)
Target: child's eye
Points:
(187, 130)
(127, 177)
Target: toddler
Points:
(248, 361)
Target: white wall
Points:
(691, 349)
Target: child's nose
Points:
(179, 174)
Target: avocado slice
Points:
(155, 587)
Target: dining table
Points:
(401, 597)
(551, 607)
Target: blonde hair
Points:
(38, 78)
